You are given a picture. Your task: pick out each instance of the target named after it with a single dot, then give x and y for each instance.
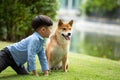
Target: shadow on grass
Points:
(8, 76)
(22, 77)
(11, 77)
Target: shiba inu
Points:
(58, 46)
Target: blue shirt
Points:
(26, 50)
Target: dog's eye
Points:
(64, 29)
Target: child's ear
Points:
(43, 29)
(71, 22)
(60, 22)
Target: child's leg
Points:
(19, 69)
(3, 61)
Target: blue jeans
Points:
(7, 60)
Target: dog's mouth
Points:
(67, 37)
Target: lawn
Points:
(81, 67)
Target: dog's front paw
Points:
(65, 70)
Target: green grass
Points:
(81, 67)
(4, 44)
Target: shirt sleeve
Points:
(32, 55)
(43, 59)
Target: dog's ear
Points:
(60, 22)
(71, 22)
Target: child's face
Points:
(48, 31)
(45, 32)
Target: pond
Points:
(96, 39)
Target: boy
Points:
(25, 51)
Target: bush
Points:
(16, 16)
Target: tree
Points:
(16, 16)
(101, 7)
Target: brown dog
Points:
(57, 48)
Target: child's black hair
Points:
(41, 20)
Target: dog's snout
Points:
(69, 34)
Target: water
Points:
(96, 38)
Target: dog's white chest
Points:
(59, 53)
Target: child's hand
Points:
(46, 73)
(35, 73)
